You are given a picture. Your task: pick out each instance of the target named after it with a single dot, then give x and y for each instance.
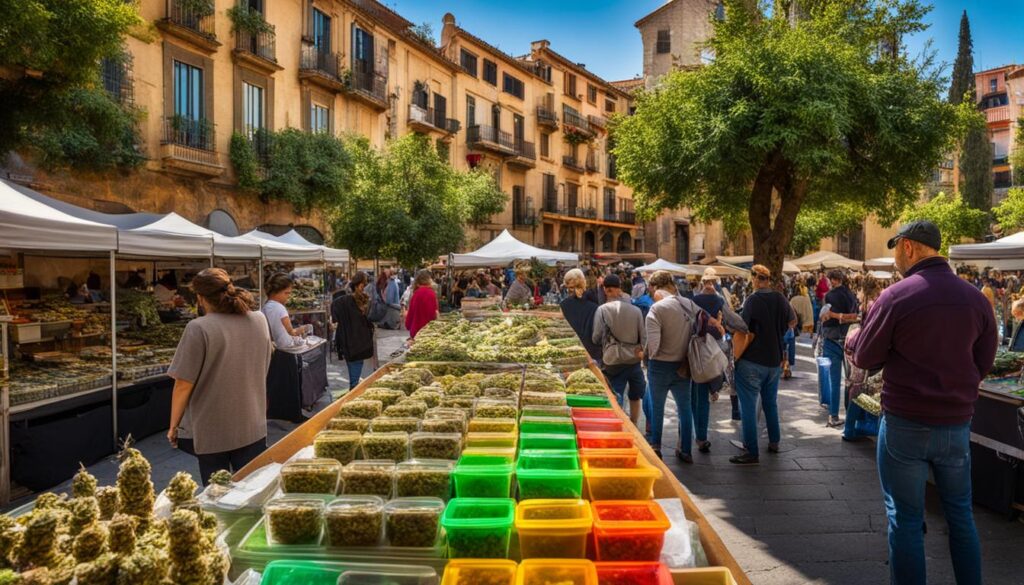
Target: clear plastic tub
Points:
(546, 425)
(361, 408)
(435, 445)
(479, 572)
(502, 393)
(483, 480)
(624, 458)
(413, 522)
(311, 476)
(391, 424)
(424, 478)
(407, 408)
(354, 521)
(546, 441)
(548, 474)
(387, 396)
(601, 440)
(621, 483)
(443, 425)
(478, 528)
(603, 425)
(495, 408)
(348, 423)
(491, 439)
(369, 478)
(628, 530)
(530, 398)
(492, 425)
(294, 520)
(392, 446)
(464, 403)
(556, 572)
(553, 529)
(341, 446)
(634, 573)
(432, 396)
(447, 412)
(548, 411)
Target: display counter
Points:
(997, 447)
(297, 380)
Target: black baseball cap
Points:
(612, 281)
(922, 231)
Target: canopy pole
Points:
(260, 275)
(113, 341)
(5, 421)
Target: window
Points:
(321, 31)
(543, 70)
(591, 93)
(993, 84)
(362, 55)
(491, 72)
(609, 106)
(419, 94)
(440, 111)
(570, 84)
(545, 144)
(664, 42)
(572, 196)
(188, 91)
(319, 119)
(468, 62)
(470, 111)
(252, 108)
(513, 86)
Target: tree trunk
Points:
(772, 238)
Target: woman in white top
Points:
(279, 289)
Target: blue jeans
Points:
(700, 404)
(754, 380)
(633, 376)
(906, 452)
(665, 379)
(789, 339)
(834, 352)
(854, 413)
(355, 372)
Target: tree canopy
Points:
(953, 216)
(976, 181)
(817, 112)
(1010, 211)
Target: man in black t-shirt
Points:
(842, 312)
(767, 314)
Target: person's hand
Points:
(713, 397)
(172, 437)
(640, 353)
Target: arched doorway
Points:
(607, 242)
(221, 222)
(588, 242)
(625, 243)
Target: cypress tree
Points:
(963, 68)
(976, 183)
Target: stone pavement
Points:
(813, 513)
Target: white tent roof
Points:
(26, 223)
(505, 249)
(887, 263)
(278, 251)
(827, 260)
(1017, 238)
(335, 255)
(1003, 254)
(660, 264)
(881, 274)
(787, 268)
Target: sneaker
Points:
(745, 459)
(684, 457)
(834, 422)
(773, 447)
(704, 446)
(857, 439)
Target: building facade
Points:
(1000, 95)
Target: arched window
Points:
(221, 222)
(625, 243)
(607, 242)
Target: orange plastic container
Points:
(476, 571)
(621, 483)
(633, 573)
(628, 530)
(624, 458)
(603, 440)
(604, 425)
(560, 571)
(589, 412)
(553, 528)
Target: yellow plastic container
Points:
(620, 483)
(703, 576)
(476, 571)
(553, 528)
(476, 439)
(560, 571)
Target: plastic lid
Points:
(477, 439)
(476, 571)
(488, 455)
(396, 575)
(294, 501)
(446, 412)
(414, 504)
(560, 571)
(568, 514)
(306, 464)
(591, 412)
(629, 515)
(347, 504)
(394, 420)
(425, 465)
(642, 469)
(509, 424)
(627, 457)
(479, 512)
(648, 573)
(547, 410)
(546, 441)
(562, 459)
(371, 465)
(618, 439)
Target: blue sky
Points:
(600, 33)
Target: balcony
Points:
(593, 163)
(572, 163)
(369, 87)
(998, 115)
(491, 139)
(598, 121)
(577, 122)
(547, 118)
(526, 155)
(575, 212)
(523, 215)
(430, 120)
(258, 49)
(192, 21)
(189, 145)
(628, 217)
(613, 171)
(323, 68)
(1000, 160)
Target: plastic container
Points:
(553, 529)
(588, 412)
(546, 425)
(294, 520)
(397, 575)
(502, 393)
(407, 408)
(446, 412)
(311, 476)
(621, 483)
(478, 528)
(493, 425)
(628, 530)
(342, 446)
(601, 425)
(475, 480)
(824, 380)
(413, 522)
(633, 573)
(623, 458)
(387, 396)
(392, 424)
(492, 439)
(588, 401)
(600, 440)
(495, 408)
(487, 456)
(429, 395)
(548, 411)
(546, 441)
(479, 571)
(705, 576)
(435, 445)
(354, 521)
(556, 572)
(307, 572)
(424, 478)
(548, 474)
(530, 398)
(392, 446)
(348, 423)
(359, 408)
(464, 403)
(369, 478)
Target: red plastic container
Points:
(627, 530)
(604, 425)
(633, 573)
(604, 458)
(603, 440)
(588, 412)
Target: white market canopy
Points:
(332, 255)
(506, 249)
(1006, 253)
(28, 224)
(887, 264)
(677, 269)
(278, 251)
(827, 260)
(881, 274)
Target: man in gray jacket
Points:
(619, 328)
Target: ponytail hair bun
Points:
(214, 285)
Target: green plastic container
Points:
(474, 480)
(478, 528)
(542, 473)
(548, 411)
(291, 572)
(547, 425)
(588, 401)
(546, 441)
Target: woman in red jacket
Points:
(423, 307)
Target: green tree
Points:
(1010, 211)
(787, 115)
(814, 224)
(953, 216)
(961, 85)
(976, 181)
(1017, 157)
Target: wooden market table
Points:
(997, 450)
(666, 487)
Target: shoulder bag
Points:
(616, 352)
(704, 357)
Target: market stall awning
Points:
(881, 274)
(886, 263)
(787, 268)
(506, 249)
(29, 224)
(678, 269)
(332, 255)
(1003, 254)
(278, 251)
(825, 259)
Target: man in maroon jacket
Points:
(935, 335)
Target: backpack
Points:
(377, 307)
(705, 360)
